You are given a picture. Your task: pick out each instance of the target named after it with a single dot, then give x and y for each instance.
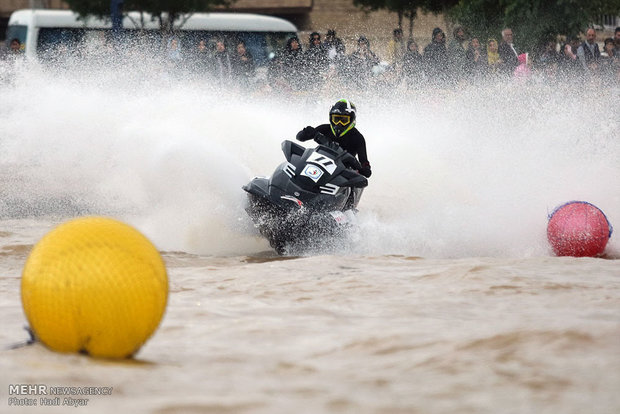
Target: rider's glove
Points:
(365, 171)
(306, 134)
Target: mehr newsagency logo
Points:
(44, 395)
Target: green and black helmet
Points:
(342, 117)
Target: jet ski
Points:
(310, 200)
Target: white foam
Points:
(470, 172)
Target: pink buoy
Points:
(578, 229)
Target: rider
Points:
(341, 129)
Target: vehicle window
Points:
(54, 40)
(16, 32)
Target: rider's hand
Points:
(306, 134)
(365, 171)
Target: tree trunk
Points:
(411, 19)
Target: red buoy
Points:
(578, 229)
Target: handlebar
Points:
(350, 161)
(323, 140)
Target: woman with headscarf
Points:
(413, 66)
(361, 62)
(293, 64)
(477, 61)
(244, 67)
(493, 58)
(436, 58)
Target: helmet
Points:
(342, 117)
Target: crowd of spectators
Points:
(325, 63)
(442, 63)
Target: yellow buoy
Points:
(94, 285)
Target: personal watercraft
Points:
(310, 200)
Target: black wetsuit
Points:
(353, 142)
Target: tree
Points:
(169, 12)
(534, 22)
(481, 18)
(405, 8)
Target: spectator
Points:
(589, 54)
(610, 62)
(476, 59)
(568, 64)
(243, 65)
(12, 55)
(333, 45)
(201, 57)
(174, 57)
(14, 52)
(396, 47)
(413, 65)
(523, 71)
(315, 62)
(548, 55)
(15, 47)
(314, 41)
(222, 67)
(508, 53)
(174, 49)
(617, 41)
(457, 54)
(361, 62)
(575, 42)
(608, 48)
(436, 58)
(290, 66)
(493, 59)
(547, 71)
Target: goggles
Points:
(343, 120)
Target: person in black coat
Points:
(286, 70)
(361, 62)
(315, 62)
(508, 53)
(413, 66)
(436, 65)
(244, 67)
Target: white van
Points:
(43, 30)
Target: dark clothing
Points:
(567, 66)
(333, 47)
(477, 63)
(591, 57)
(610, 65)
(200, 61)
(548, 57)
(509, 57)
(243, 66)
(292, 67)
(360, 66)
(457, 57)
(436, 62)
(413, 68)
(316, 63)
(353, 142)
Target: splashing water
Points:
(471, 171)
